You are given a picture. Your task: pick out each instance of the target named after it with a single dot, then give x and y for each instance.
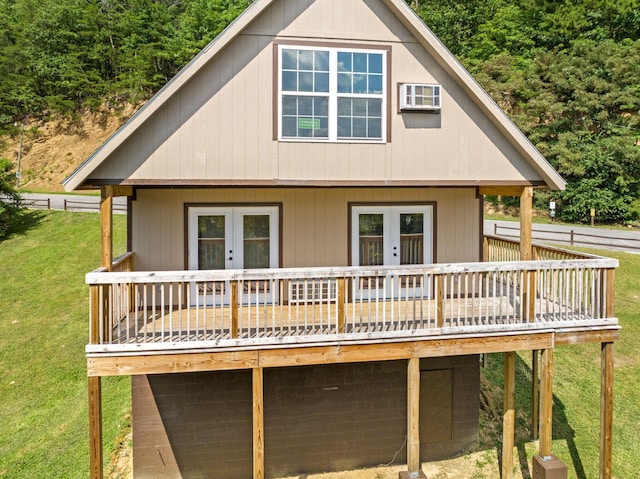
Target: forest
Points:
(566, 72)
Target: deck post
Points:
(95, 427)
(606, 411)
(546, 403)
(535, 394)
(94, 388)
(509, 418)
(106, 226)
(527, 254)
(413, 421)
(258, 423)
(526, 215)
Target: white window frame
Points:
(334, 95)
(410, 99)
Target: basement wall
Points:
(316, 418)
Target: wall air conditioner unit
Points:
(420, 97)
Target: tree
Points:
(9, 198)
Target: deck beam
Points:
(157, 362)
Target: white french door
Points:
(242, 237)
(394, 236)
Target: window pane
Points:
(211, 236)
(323, 131)
(256, 241)
(321, 82)
(289, 105)
(344, 127)
(371, 239)
(359, 107)
(289, 81)
(305, 60)
(374, 128)
(305, 81)
(322, 61)
(344, 83)
(344, 62)
(344, 107)
(305, 106)
(375, 84)
(360, 62)
(359, 83)
(321, 106)
(375, 63)
(290, 126)
(374, 107)
(359, 128)
(411, 238)
(290, 59)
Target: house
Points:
(308, 286)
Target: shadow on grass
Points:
(493, 387)
(23, 222)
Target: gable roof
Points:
(409, 20)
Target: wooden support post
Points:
(485, 249)
(413, 417)
(234, 309)
(95, 427)
(106, 226)
(508, 420)
(546, 403)
(342, 309)
(535, 394)
(610, 275)
(606, 411)
(258, 423)
(526, 218)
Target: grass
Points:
(43, 331)
(576, 409)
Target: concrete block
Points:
(406, 475)
(548, 468)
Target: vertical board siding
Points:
(314, 222)
(219, 125)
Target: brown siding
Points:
(317, 418)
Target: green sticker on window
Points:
(309, 123)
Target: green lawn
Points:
(576, 424)
(43, 331)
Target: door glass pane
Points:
(411, 238)
(211, 236)
(371, 236)
(256, 241)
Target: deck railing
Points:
(497, 248)
(137, 311)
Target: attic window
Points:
(332, 94)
